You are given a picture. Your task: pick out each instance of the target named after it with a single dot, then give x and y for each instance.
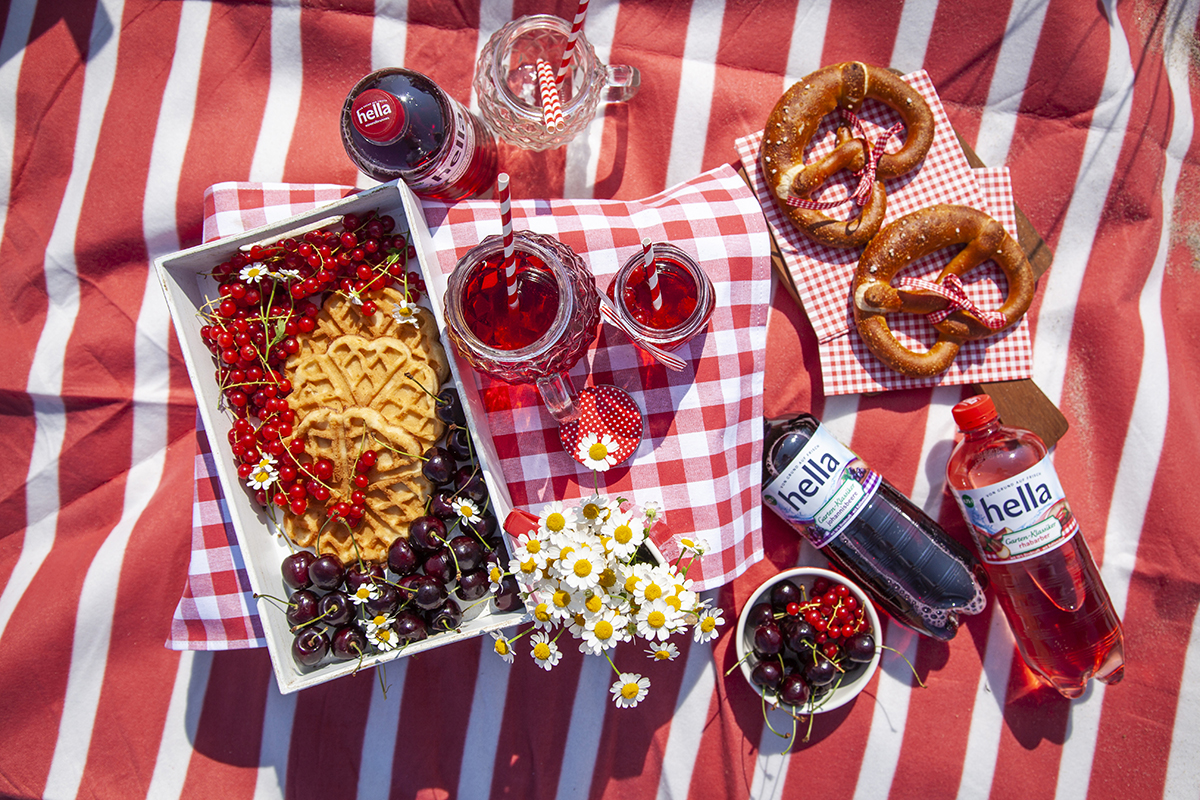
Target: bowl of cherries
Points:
(806, 640)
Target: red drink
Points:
(486, 307)
(1037, 559)
(685, 289)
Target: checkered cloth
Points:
(823, 274)
(701, 455)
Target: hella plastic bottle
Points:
(869, 530)
(1029, 541)
(397, 123)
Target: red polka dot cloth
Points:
(823, 274)
(699, 451)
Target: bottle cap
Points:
(974, 411)
(378, 115)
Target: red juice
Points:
(486, 307)
(676, 287)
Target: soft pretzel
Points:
(794, 121)
(905, 240)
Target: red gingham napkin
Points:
(702, 450)
(823, 274)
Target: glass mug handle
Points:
(621, 82)
(560, 396)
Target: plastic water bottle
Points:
(397, 123)
(869, 530)
(1029, 541)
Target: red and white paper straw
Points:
(569, 51)
(510, 266)
(552, 112)
(651, 273)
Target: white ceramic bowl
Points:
(856, 679)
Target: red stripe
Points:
(852, 35)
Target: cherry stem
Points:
(920, 682)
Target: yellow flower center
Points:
(528, 565)
(604, 630)
(541, 651)
(261, 476)
(542, 612)
(404, 311)
(662, 655)
(594, 603)
(623, 534)
(653, 591)
(363, 592)
(533, 546)
(556, 522)
(380, 620)
(656, 619)
(502, 647)
(687, 543)
(384, 635)
(495, 574)
(466, 511)
(591, 511)
(707, 624)
(582, 568)
(629, 691)
(597, 452)
(631, 583)
(608, 579)
(562, 598)
(674, 602)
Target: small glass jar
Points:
(686, 291)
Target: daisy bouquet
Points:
(591, 570)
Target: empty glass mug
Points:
(506, 82)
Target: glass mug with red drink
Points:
(555, 317)
(685, 291)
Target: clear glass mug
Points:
(507, 85)
(556, 318)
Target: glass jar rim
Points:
(503, 49)
(688, 327)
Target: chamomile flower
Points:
(554, 519)
(544, 651)
(262, 476)
(653, 512)
(532, 547)
(629, 689)
(706, 626)
(502, 646)
(657, 583)
(254, 272)
(365, 592)
(565, 604)
(286, 274)
(581, 567)
(693, 545)
(594, 511)
(597, 451)
(380, 633)
(405, 311)
(623, 535)
(657, 621)
(495, 577)
(603, 632)
(543, 614)
(466, 509)
(666, 651)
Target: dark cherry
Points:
(468, 552)
(441, 505)
(468, 482)
(821, 671)
(445, 617)
(767, 674)
(767, 639)
(440, 565)
(458, 442)
(793, 689)
(759, 614)
(439, 466)
(335, 608)
(427, 533)
(302, 607)
(309, 647)
(295, 569)
(348, 642)
(799, 634)
(430, 594)
(785, 592)
(449, 408)
(509, 596)
(361, 573)
(388, 600)
(486, 527)
(409, 627)
(402, 559)
(859, 647)
(327, 572)
(472, 585)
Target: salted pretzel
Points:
(794, 121)
(876, 292)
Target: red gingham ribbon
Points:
(866, 176)
(954, 291)
(668, 360)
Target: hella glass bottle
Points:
(1038, 561)
(869, 530)
(397, 123)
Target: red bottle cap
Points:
(378, 115)
(974, 411)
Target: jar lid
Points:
(974, 411)
(378, 115)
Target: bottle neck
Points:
(983, 429)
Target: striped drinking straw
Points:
(651, 273)
(569, 51)
(552, 112)
(510, 266)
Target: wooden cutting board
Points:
(1020, 403)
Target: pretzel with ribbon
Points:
(795, 119)
(876, 293)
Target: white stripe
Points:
(889, 714)
(808, 40)
(379, 738)
(1183, 768)
(270, 781)
(1106, 135)
(483, 730)
(987, 712)
(179, 731)
(587, 721)
(283, 95)
(97, 600)
(492, 17)
(697, 78)
(583, 153)
(389, 34)
(1013, 65)
(12, 55)
(912, 35)
(693, 708)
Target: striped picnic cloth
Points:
(117, 114)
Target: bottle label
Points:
(1019, 518)
(448, 169)
(823, 489)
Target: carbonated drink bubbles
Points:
(397, 123)
(867, 529)
(1029, 541)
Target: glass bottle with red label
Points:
(1037, 560)
(397, 123)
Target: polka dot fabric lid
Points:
(604, 410)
